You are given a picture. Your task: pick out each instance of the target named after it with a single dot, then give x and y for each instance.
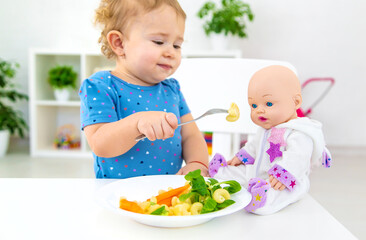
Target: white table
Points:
(65, 209)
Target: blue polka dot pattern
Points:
(106, 98)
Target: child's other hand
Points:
(157, 125)
(275, 184)
(234, 162)
(191, 167)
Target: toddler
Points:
(144, 37)
(275, 165)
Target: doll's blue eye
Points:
(254, 105)
(269, 104)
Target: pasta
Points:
(234, 113)
(197, 196)
(179, 208)
(220, 195)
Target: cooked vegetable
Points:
(203, 191)
(130, 206)
(198, 197)
(166, 197)
(160, 211)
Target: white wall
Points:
(320, 38)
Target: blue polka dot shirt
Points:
(107, 98)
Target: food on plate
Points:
(234, 113)
(166, 197)
(197, 196)
(130, 206)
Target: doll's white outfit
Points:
(287, 152)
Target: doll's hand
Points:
(191, 167)
(157, 125)
(234, 162)
(275, 184)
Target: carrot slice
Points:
(171, 193)
(130, 206)
(166, 201)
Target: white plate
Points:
(142, 188)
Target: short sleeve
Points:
(183, 106)
(98, 103)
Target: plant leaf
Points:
(228, 18)
(197, 182)
(10, 119)
(233, 187)
(160, 211)
(225, 204)
(209, 206)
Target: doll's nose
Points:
(260, 109)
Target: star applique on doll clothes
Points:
(276, 141)
(274, 151)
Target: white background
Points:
(320, 38)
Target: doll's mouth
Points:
(262, 119)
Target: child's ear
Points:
(115, 40)
(298, 101)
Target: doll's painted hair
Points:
(118, 14)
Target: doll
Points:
(275, 164)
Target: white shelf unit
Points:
(47, 114)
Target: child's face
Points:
(272, 101)
(153, 46)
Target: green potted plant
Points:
(11, 120)
(227, 19)
(62, 79)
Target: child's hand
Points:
(275, 184)
(157, 125)
(191, 167)
(234, 162)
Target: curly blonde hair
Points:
(118, 14)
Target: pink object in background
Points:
(304, 113)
